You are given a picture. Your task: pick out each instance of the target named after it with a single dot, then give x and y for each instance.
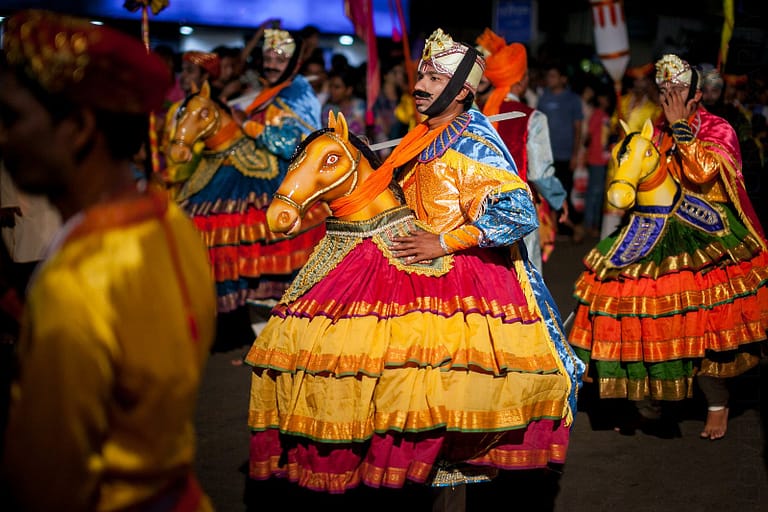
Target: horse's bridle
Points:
(304, 205)
(209, 130)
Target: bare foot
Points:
(716, 425)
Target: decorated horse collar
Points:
(648, 224)
(447, 138)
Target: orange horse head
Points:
(198, 118)
(327, 165)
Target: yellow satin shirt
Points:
(116, 333)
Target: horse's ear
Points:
(331, 120)
(624, 126)
(647, 129)
(341, 127)
(205, 90)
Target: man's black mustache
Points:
(270, 70)
(422, 94)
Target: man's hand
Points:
(419, 247)
(563, 218)
(674, 105)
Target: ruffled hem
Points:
(675, 316)
(374, 381)
(696, 301)
(388, 460)
(248, 261)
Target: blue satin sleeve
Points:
(281, 140)
(507, 218)
(301, 117)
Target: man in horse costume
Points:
(431, 353)
(243, 162)
(679, 291)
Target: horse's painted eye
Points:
(204, 113)
(649, 152)
(332, 159)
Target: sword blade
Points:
(494, 118)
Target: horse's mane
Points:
(625, 143)
(358, 142)
(226, 108)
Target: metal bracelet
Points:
(446, 250)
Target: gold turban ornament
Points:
(279, 41)
(672, 69)
(445, 55)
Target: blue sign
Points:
(514, 20)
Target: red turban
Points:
(210, 62)
(89, 64)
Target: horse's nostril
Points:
(180, 154)
(284, 219)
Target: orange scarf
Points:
(412, 144)
(266, 95)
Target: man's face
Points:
(191, 77)
(641, 86)
(429, 85)
(274, 65)
(553, 79)
(668, 88)
(36, 151)
(710, 94)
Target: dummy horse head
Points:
(200, 118)
(637, 176)
(330, 163)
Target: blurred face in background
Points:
(229, 69)
(338, 92)
(191, 77)
(26, 127)
(554, 80)
(315, 73)
(710, 94)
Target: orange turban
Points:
(642, 71)
(505, 66)
(736, 79)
